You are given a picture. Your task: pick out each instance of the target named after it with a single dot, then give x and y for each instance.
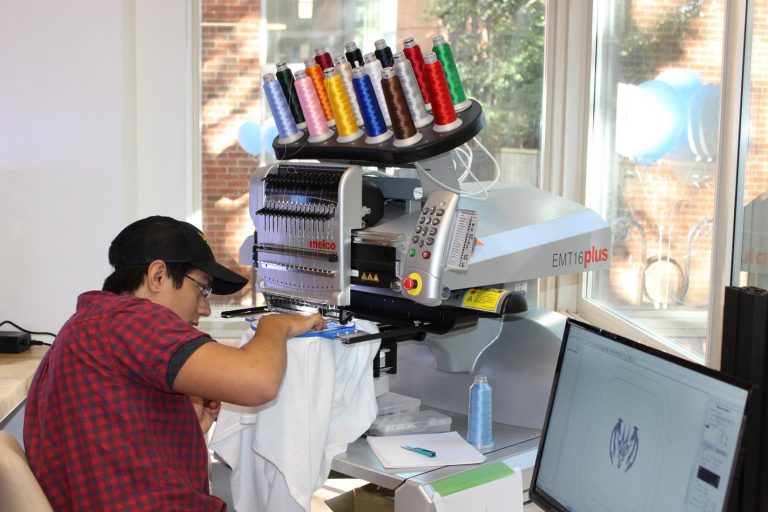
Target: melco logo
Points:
(322, 244)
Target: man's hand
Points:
(303, 323)
(291, 324)
(206, 410)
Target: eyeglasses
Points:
(205, 291)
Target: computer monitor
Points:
(630, 429)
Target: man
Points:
(110, 422)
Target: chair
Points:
(19, 488)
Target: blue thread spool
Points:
(375, 127)
(479, 432)
(286, 125)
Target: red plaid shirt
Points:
(103, 429)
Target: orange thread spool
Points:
(315, 73)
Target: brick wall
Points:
(230, 89)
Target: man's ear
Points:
(157, 273)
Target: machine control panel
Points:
(433, 240)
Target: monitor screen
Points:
(632, 429)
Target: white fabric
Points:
(280, 453)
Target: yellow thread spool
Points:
(342, 108)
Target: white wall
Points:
(95, 132)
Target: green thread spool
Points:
(285, 78)
(445, 56)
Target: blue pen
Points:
(422, 451)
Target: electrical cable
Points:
(481, 194)
(497, 168)
(42, 333)
(32, 342)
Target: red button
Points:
(426, 255)
(409, 283)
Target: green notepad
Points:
(471, 478)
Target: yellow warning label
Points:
(486, 299)
(370, 276)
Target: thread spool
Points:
(344, 70)
(315, 73)
(413, 53)
(411, 90)
(383, 53)
(353, 54)
(480, 427)
(402, 123)
(342, 109)
(375, 127)
(286, 126)
(373, 69)
(323, 58)
(313, 111)
(445, 56)
(442, 104)
(285, 78)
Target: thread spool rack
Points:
(432, 144)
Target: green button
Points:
(411, 252)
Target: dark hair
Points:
(128, 279)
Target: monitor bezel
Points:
(548, 503)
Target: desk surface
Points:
(16, 372)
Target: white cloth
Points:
(280, 453)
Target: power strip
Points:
(14, 342)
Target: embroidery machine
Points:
(447, 269)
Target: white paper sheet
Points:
(449, 447)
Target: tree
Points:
(499, 50)
(644, 51)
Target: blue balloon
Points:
(268, 134)
(705, 121)
(670, 121)
(686, 83)
(249, 138)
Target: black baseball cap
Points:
(173, 241)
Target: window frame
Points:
(561, 142)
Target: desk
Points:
(514, 445)
(16, 372)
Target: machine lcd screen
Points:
(633, 429)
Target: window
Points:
(653, 163)
(499, 49)
(651, 80)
